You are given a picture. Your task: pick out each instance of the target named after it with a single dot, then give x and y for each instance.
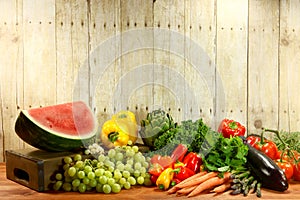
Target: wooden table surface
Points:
(12, 190)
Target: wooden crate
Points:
(32, 167)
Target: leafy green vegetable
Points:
(228, 154)
(195, 134)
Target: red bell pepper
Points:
(163, 161)
(192, 161)
(179, 152)
(268, 147)
(175, 181)
(155, 169)
(182, 173)
(229, 127)
(153, 179)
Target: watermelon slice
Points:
(62, 127)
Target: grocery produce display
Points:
(186, 158)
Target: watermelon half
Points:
(62, 127)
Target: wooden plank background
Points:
(143, 55)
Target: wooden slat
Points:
(200, 34)
(169, 77)
(105, 47)
(11, 76)
(76, 31)
(132, 90)
(39, 53)
(232, 17)
(289, 107)
(263, 65)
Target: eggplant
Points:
(266, 170)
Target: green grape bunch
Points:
(114, 170)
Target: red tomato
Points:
(268, 147)
(296, 174)
(287, 168)
(253, 139)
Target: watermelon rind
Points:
(43, 138)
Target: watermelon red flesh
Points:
(70, 118)
(61, 127)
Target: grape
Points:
(111, 181)
(140, 180)
(119, 156)
(79, 164)
(57, 185)
(108, 174)
(106, 189)
(143, 170)
(126, 174)
(147, 181)
(86, 180)
(111, 169)
(127, 185)
(137, 165)
(115, 188)
(136, 173)
(145, 164)
(128, 167)
(131, 180)
(99, 172)
(68, 160)
(99, 187)
(111, 153)
(101, 158)
(117, 175)
(130, 162)
(82, 188)
(93, 183)
(66, 166)
(100, 164)
(67, 187)
(72, 171)
(129, 142)
(129, 153)
(122, 181)
(91, 175)
(77, 157)
(75, 182)
(80, 174)
(135, 148)
(103, 180)
(120, 166)
(58, 176)
(87, 169)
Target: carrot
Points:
(177, 187)
(210, 183)
(198, 180)
(186, 190)
(222, 188)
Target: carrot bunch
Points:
(201, 182)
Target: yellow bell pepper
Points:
(119, 130)
(164, 180)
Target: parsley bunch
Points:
(228, 154)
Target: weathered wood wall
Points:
(194, 58)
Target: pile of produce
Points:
(186, 158)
